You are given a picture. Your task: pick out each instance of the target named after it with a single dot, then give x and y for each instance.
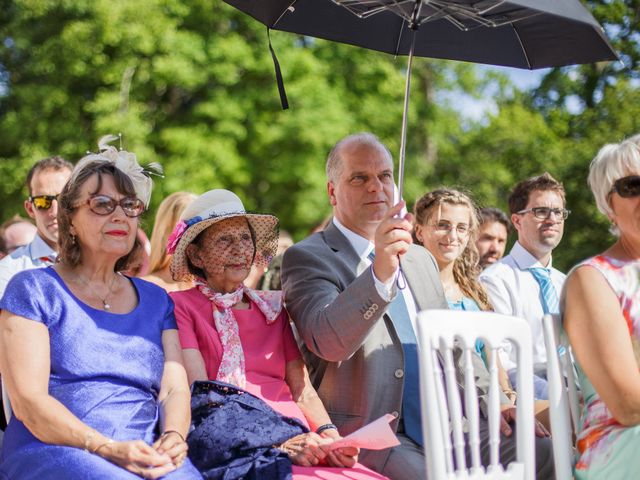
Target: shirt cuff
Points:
(386, 290)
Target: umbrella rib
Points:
(524, 51)
(370, 11)
(447, 12)
(464, 17)
(490, 7)
(399, 37)
(290, 8)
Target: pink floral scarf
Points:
(232, 368)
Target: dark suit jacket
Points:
(349, 342)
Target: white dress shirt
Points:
(387, 291)
(36, 254)
(513, 290)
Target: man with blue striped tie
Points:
(524, 283)
(352, 291)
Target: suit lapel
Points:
(336, 240)
(415, 279)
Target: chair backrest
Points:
(563, 395)
(6, 404)
(439, 333)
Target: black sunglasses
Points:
(42, 202)
(627, 187)
(105, 205)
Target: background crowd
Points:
(191, 84)
(97, 361)
(186, 83)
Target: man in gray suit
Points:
(356, 325)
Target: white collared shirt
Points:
(32, 255)
(363, 247)
(513, 290)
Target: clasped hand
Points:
(508, 417)
(149, 461)
(311, 449)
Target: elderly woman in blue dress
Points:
(91, 358)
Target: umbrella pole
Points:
(405, 113)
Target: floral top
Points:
(600, 433)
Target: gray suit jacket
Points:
(349, 343)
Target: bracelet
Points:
(108, 442)
(167, 432)
(87, 439)
(326, 426)
(512, 395)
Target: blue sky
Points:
(477, 109)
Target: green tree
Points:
(190, 84)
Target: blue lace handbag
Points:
(233, 434)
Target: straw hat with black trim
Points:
(212, 207)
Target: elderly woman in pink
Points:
(242, 336)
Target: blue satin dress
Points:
(106, 369)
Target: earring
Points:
(73, 239)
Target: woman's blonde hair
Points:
(166, 218)
(466, 267)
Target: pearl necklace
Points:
(105, 305)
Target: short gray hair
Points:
(613, 161)
(363, 139)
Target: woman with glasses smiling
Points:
(602, 318)
(446, 224)
(91, 358)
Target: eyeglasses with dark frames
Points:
(627, 187)
(42, 202)
(105, 205)
(542, 213)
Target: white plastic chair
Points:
(442, 419)
(563, 395)
(6, 404)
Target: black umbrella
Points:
(517, 33)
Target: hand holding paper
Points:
(377, 435)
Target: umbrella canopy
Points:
(518, 33)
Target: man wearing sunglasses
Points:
(44, 182)
(524, 283)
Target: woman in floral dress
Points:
(602, 318)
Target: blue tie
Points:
(399, 314)
(550, 302)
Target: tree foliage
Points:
(190, 84)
